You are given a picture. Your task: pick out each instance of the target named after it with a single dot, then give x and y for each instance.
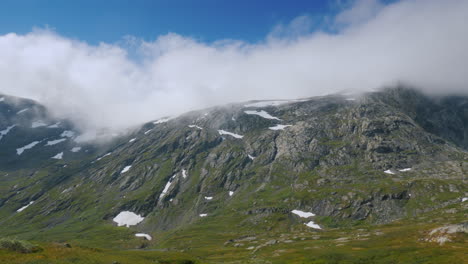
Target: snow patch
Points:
(184, 174)
(403, 170)
(302, 213)
(464, 199)
(166, 188)
(100, 158)
(54, 142)
(56, 125)
(203, 215)
(127, 218)
(20, 151)
(195, 126)
(24, 207)
(58, 156)
(162, 120)
(274, 103)
(22, 111)
(148, 237)
(208, 198)
(131, 140)
(127, 168)
(389, 172)
(223, 132)
(67, 190)
(38, 123)
(251, 157)
(75, 149)
(67, 133)
(279, 127)
(265, 103)
(312, 224)
(231, 193)
(6, 131)
(147, 131)
(261, 113)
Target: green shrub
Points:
(18, 246)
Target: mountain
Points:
(334, 179)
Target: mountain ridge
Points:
(351, 161)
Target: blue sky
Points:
(94, 21)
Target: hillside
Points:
(333, 179)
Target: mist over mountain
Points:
(115, 86)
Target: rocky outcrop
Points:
(448, 233)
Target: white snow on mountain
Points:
(6, 131)
(148, 237)
(274, 103)
(54, 142)
(20, 151)
(24, 207)
(313, 225)
(261, 113)
(406, 169)
(75, 149)
(162, 120)
(302, 213)
(58, 156)
(223, 132)
(265, 103)
(22, 111)
(56, 125)
(38, 123)
(127, 168)
(127, 218)
(195, 126)
(279, 127)
(105, 155)
(166, 188)
(67, 133)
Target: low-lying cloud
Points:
(419, 42)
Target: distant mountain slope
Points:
(30, 137)
(339, 160)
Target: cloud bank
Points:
(419, 42)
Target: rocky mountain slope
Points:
(339, 161)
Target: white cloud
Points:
(360, 12)
(419, 42)
(298, 27)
